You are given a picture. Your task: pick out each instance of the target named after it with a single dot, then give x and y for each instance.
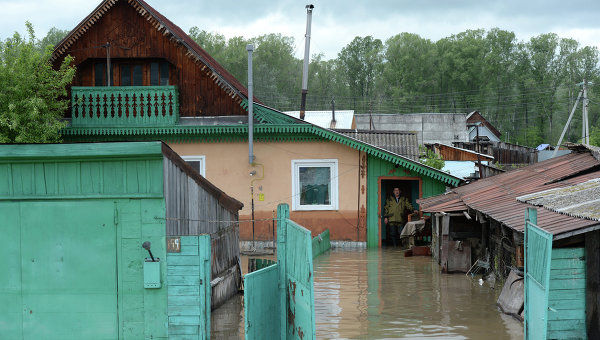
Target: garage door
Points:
(69, 270)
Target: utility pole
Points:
(585, 129)
(562, 135)
(309, 9)
(250, 49)
(478, 152)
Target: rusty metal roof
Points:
(447, 203)
(496, 196)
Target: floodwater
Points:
(380, 294)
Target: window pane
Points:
(154, 81)
(164, 73)
(314, 185)
(125, 75)
(195, 165)
(100, 74)
(137, 75)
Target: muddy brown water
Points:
(380, 294)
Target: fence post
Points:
(283, 214)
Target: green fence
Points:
(279, 299)
(321, 243)
(124, 106)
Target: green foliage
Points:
(595, 136)
(51, 39)
(432, 159)
(524, 88)
(32, 99)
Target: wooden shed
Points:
(74, 219)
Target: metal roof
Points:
(343, 118)
(580, 200)
(399, 142)
(496, 196)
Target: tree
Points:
(360, 63)
(32, 100)
(54, 36)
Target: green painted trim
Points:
(52, 151)
(264, 132)
(81, 196)
(275, 126)
(115, 106)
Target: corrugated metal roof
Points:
(399, 142)
(497, 196)
(343, 118)
(579, 200)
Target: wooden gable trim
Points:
(148, 13)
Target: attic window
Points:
(315, 184)
(159, 74)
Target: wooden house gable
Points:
(139, 38)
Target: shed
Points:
(75, 217)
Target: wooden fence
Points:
(195, 207)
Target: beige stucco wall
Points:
(227, 167)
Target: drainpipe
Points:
(250, 49)
(309, 9)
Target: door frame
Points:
(393, 178)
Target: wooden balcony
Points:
(124, 106)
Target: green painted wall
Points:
(377, 168)
(74, 218)
(189, 289)
(566, 315)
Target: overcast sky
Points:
(335, 22)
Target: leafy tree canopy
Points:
(32, 95)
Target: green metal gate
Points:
(538, 257)
(66, 246)
(279, 300)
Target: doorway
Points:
(410, 188)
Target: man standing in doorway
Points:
(394, 212)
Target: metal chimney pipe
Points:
(333, 110)
(250, 49)
(309, 9)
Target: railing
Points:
(124, 106)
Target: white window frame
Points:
(317, 163)
(201, 159)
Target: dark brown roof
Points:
(219, 74)
(475, 117)
(446, 203)
(402, 143)
(496, 196)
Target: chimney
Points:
(333, 121)
(309, 9)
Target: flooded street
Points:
(380, 294)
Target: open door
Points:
(538, 257)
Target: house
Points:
(335, 119)
(166, 87)
(430, 127)
(463, 163)
(483, 224)
(111, 241)
(486, 130)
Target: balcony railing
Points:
(124, 106)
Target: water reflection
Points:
(380, 294)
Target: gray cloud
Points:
(336, 22)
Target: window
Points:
(197, 162)
(137, 75)
(131, 75)
(125, 75)
(159, 74)
(100, 74)
(315, 184)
